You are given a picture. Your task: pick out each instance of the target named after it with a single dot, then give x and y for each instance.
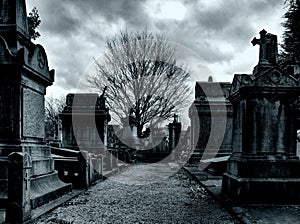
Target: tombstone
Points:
(128, 135)
(91, 116)
(174, 148)
(24, 78)
(55, 140)
(174, 133)
(112, 138)
(210, 99)
(263, 166)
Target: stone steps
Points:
(46, 188)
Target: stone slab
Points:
(44, 209)
(33, 114)
(35, 150)
(262, 190)
(42, 166)
(46, 188)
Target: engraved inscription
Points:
(33, 114)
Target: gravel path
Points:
(120, 199)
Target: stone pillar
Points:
(174, 136)
(264, 166)
(19, 173)
(174, 133)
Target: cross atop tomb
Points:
(268, 48)
(175, 116)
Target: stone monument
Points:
(263, 166)
(174, 137)
(24, 77)
(211, 99)
(91, 116)
(174, 133)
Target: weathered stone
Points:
(211, 121)
(19, 208)
(23, 82)
(174, 136)
(264, 166)
(84, 121)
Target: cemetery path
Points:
(130, 197)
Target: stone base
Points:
(262, 190)
(262, 180)
(264, 166)
(45, 183)
(46, 188)
(200, 157)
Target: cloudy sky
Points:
(219, 31)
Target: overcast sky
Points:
(73, 32)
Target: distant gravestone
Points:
(263, 166)
(211, 103)
(87, 111)
(24, 78)
(174, 133)
(174, 137)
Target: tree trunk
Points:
(139, 128)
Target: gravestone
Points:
(24, 78)
(174, 137)
(263, 166)
(90, 115)
(211, 99)
(174, 133)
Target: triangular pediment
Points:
(35, 60)
(273, 77)
(240, 80)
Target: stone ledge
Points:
(46, 188)
(262, 190)
(44, 209)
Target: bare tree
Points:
(141, 78)
(53, 107)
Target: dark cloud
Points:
(131, 11)
(67, 17)
(74, 31)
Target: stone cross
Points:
(175, 118)
(268, 47)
